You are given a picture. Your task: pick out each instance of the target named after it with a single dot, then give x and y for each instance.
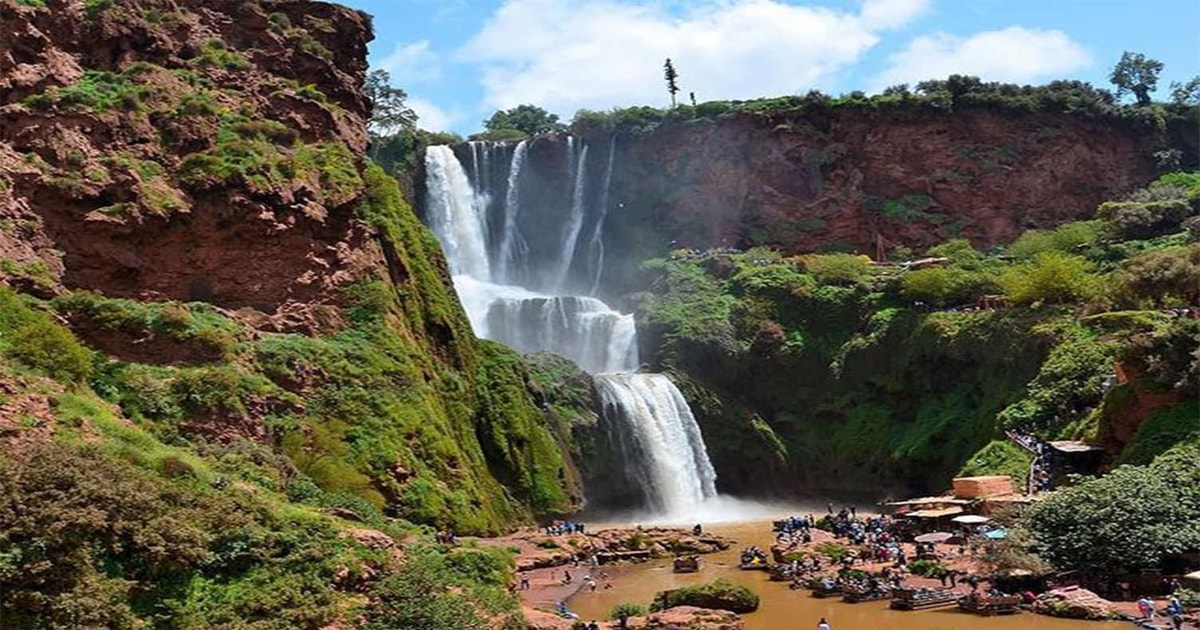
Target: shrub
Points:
(946, 286)
(51, 348)
(1051, 277)
(1161, 278)
(213, 53)
(720, 594)
(1064, 238)
(624, 610)
(1141, 220)
(840, 269)
(926, 568)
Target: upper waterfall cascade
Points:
(515, 262)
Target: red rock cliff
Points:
(163, 149)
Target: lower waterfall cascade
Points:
(645, 415)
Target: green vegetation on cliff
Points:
(841, 374)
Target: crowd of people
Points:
(563, 528)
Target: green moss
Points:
(195, 324)
(999, 457)
(213, 53)
(96, 90)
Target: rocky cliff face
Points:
(849, 178)
(183, 182)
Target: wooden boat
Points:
(854, 595)
(686, 564)
(922, 598)
(781, 572)
(988, 605)
(752, 561)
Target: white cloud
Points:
(431, 117)
(1014, 55)
(569, 54)
(412, 63)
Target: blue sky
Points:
(461, 60)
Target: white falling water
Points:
(512, 244)
(458, 213)
(574, 221)
(596, 246)
(646, 413)
(659, 425)
(582, 329)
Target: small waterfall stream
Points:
(645, 415)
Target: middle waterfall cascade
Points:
(500, 271)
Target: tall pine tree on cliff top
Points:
(672, 77)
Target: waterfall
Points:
(457, 212)
(596, 246)
(647, 420)
(574, 221)
(512, 245)
(582, 329)
(654, 424)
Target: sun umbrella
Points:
(935, 537)
(970, 519)
(997, 534)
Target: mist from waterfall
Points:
(497, 277)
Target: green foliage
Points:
(1127, 520)
(1051, 277)
(427, 592)
(719, 594)
(1137, 74)
(1144, 219)
(1069, 381)
(947, 286)
(1064, 238)
(96, 90)
(835, 551)
(34, 339)
(1162, 431)
(694, 306)
(37, 4)
(390, 113)
(529, 119)
(926, 568)
(999, 457)
(196, 324)
(625, 610)
(214, 54)
(838, 269)
(1169, 277)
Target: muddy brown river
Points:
(783, 609)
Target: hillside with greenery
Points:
(836, 374)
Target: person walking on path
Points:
(823, 625)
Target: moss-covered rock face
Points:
(196, 204)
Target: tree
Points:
(1138, 74)
(1187, 94)
(1129, 519)
(672, 78)
(529, 119)
(389, 113)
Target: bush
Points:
(1064, 238)
(38, 342)
(926, 568)
(624, 610)
(840, 269)
(720, 594)
(1161, 278)
(946, 286)
(1051, 277)
(1141, 220)
(1127, 520)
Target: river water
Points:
(783, 609)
